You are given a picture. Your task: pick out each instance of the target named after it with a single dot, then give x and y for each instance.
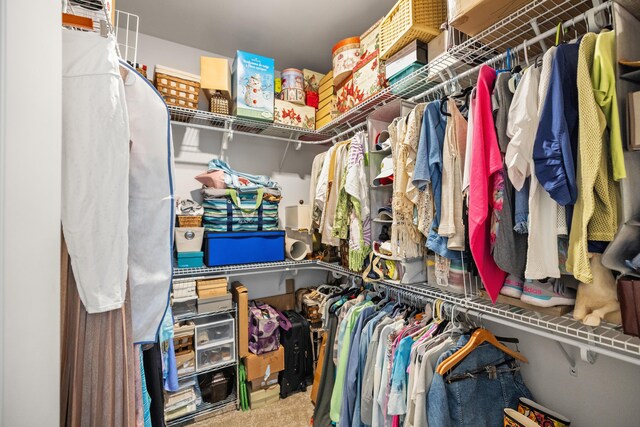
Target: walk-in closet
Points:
(390, 213)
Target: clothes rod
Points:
(276, 138)
(583, 16)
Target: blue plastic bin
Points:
(243, 247)
(190, 259)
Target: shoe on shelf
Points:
(541, 415)
(513, 418)
(512, 287)
(547, 294)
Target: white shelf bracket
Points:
(565, 353)
(588, 356)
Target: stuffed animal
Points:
(598, 300)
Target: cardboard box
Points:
(263, 397)
(215, 74)
(437, 46)
(323, 121)
(290, 114)
(368, 76)
(263, 383)
(369, 40)
(325, 85)
(327, 78)
(241, 298)
(348, 96)
(323, 103)
(312, 80)
(253, 86)
(414, 52)
(208, 305)
(473, 16)
(303, 236)
(263, 365)
(281, 302)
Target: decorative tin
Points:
(369, 76)
(348, 96)
(253, 86)
(346, 54)
(293, 95)
(292, 79)
(291, 114)
(292, 86)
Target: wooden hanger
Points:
(76, 21)
(480, 336)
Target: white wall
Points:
(30, 161)
(603, 394)
(257, 155)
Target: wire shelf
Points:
(463, 55)
(213, 121)
(606, 337)
(208, 370)
(182, 318)
(252, 268)
(206, 410)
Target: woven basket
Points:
(409, 20)
(177, 91)
(190, 221)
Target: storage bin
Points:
(190, 259)
(186, 362)
(177, 87)
(409, 20)
(215, 355)
(401, 89)
(185, 307)
(297, 217)
(208, 305)
(244, 247)
(189, 239)
(219, 330)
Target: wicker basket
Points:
(178, 88)
(190, 220)
(409, 20)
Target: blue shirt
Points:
(398, 393)
(556, 145)
(350, 382)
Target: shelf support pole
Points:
(227, 137)
(536, 30)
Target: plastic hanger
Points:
(479, 336)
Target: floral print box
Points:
(290, 114)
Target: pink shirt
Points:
(485, 183)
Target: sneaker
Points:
(512, 287)
(541, 415)
(547, 294)
(513, 418)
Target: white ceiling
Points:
(297, 33)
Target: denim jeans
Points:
(476, 391)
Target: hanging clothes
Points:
(95, 169)
(604, 84)
(595, 213)
(501, 100)
(466, 176)
(486, 185)
(452, 224)
(316, 169)
(556, 143)
(151, 205)
(542, 249)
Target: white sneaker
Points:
(512, 287)
(548, 294)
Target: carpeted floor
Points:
(294, 411)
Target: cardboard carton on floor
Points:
(264, 365)
(241, 298)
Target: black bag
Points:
(298, 357)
